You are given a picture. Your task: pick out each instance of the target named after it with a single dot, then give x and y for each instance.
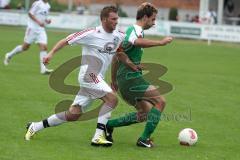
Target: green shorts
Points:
(132, 87)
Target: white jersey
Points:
(40, 10)
(4, 3)
(98, 50)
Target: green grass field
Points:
(206, 96)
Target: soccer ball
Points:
(187, 137)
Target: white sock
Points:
(42, 54)
(57, 119)
(53, 120)
(37, 126)
(16, 50)
(103, 117)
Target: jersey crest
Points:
(110, 47)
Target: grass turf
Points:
(206, 96)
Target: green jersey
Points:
(134, 53)
(131, 84)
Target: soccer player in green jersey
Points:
(132, 86)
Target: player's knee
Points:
(163, 101)
(160, 103)
(73, 117)
(113, 101)
(43, 47)
(74, 113)
(141, 116)
(25, 47)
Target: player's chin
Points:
(114, 27)
(147, 27)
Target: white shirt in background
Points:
(40, 10)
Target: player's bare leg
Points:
(43, 53)
(18, 49)
(153, 105)
(72, 114)
(110, 102)
(149, 108)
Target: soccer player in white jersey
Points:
(35, 32)
(99, 45)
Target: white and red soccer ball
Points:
(187, 137)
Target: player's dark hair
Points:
(106, 10)
(146, 9)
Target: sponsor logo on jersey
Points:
(110, 47)
(44, 13)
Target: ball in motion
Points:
(187, 137)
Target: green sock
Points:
(126, 120)
(153, 117)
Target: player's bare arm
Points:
(145, 43)
(36, 20)
(60, 44)
(48, 21)
(114, 69)
(121, 56)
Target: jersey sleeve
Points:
(133, 34)
(34, 7)
(132, 38)
(83, 37)
(122, 35)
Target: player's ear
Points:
(145, 17)
(104, 19)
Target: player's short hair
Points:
(106, 10)
(146, 9)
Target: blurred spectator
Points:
(4, 4)
(213, 16)
(80, 8)
(210, 17)
(195, 19)
(187, 18)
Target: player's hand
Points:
(166, 40)
(41, 24)
(138, 67)
(48, 21)
(47, 59)
(114, 86)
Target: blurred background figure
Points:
(4, 4)
(35, 33)
(195, 19)
(210, 17)
(187, 18)
(80, 8)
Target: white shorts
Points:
(91, 91)
(37, 36)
